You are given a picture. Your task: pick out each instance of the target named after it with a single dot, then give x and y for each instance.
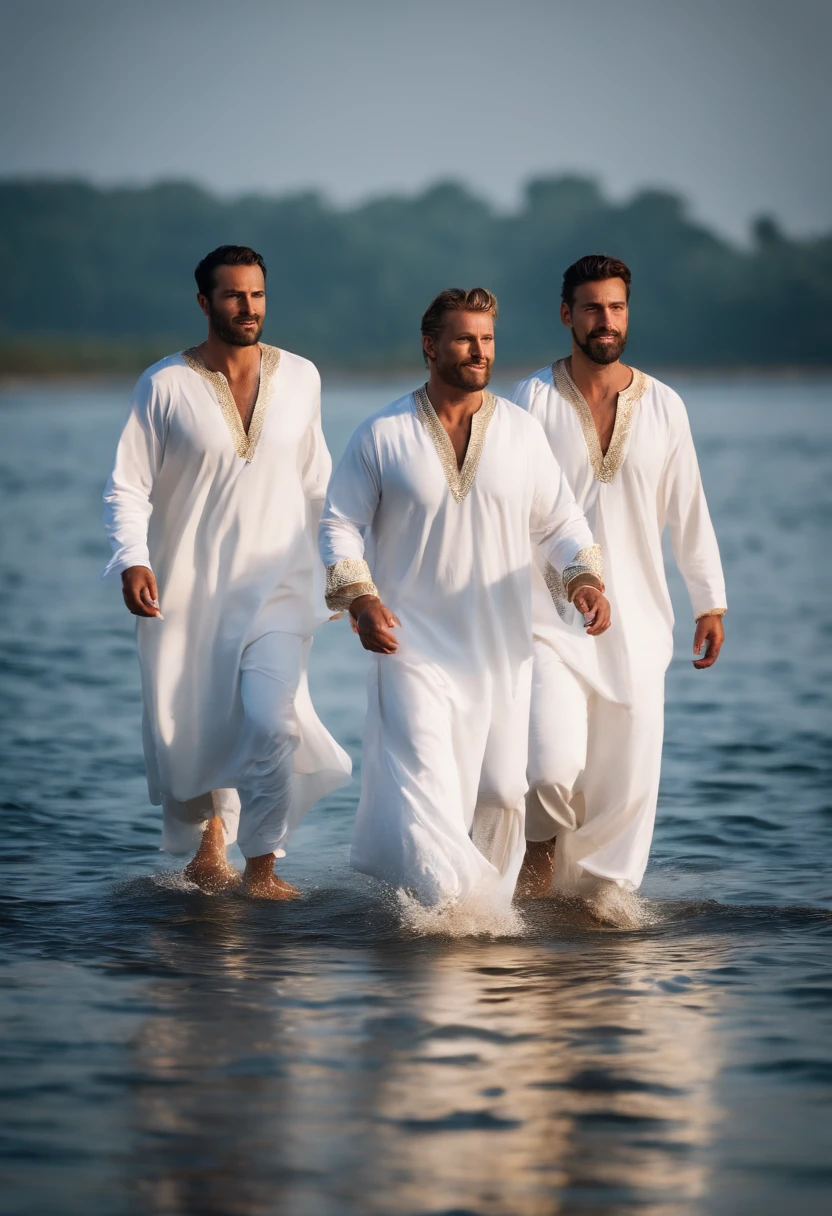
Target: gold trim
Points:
(244, 443)
(587, 561)
(459, 480)
(710, 612)
(346, 580)
(606, 466)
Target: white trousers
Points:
(593, 774)
(258, 811)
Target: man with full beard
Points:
(212, 511)
(426, 532)
(624, 443)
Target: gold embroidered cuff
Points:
(710, 612)
(587, 562)
(346, 580)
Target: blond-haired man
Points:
(426, 536)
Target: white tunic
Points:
(648, 479)
(597, 713)
(227, 522)
(449, 551)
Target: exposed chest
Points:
(206, 428)
(420, 472)
(603, 450)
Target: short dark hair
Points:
(224, 255)
(456, 299)
(593, 269)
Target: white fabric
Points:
(446, 739)
(593, 774)
(596, 738)
(658, 484)
(280, 773)
(232, 545)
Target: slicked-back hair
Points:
(224, 255)
(455, 299)
(594, 268)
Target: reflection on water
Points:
(234, 1060)
(169, 1054)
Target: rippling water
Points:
(164, 1052)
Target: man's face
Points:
(598, 319)
(236, 307)
(463, 352)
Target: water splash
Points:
(616, 908)
(173, 880)
(479, 915)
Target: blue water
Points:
(165, 1052)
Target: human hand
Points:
(710, 633)
(138, 586)
(595, 608)
(373, 623)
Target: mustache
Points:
(603, 332)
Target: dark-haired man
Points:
(426, 531)
(211, 510)
(624, 443)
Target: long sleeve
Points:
(692, 536)
(558, 526)
(127, 496)
(351, 504)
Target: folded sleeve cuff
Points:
(125, 558)
(710, 612)
(345, 581)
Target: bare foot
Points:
(535, 879)
(261, 882)
(211, 875)
(270, 888)
(210, 870)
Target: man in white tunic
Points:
(426, 531)
(624, 443)
(212, 511)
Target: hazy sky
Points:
(727, 101)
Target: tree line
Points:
(104, 277)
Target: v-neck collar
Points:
(460, 480)
(244, 443)
(604, 466)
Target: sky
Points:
(727, 102)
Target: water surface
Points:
(165, 1052)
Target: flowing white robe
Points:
(596, 787)
(448, 551)
(227, 522)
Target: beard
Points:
(602, 352)
(464, 375)
(231, 331)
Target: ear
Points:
(566, 314)
(428, 346)
(203, 303)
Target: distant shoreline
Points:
(119, 376)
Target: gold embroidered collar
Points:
(606, 466)
(245, 444)
(459, 479)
